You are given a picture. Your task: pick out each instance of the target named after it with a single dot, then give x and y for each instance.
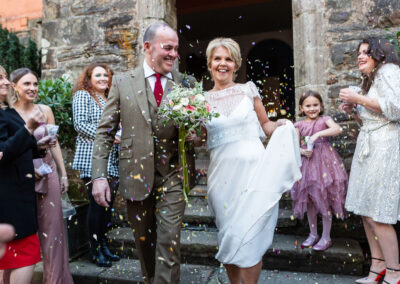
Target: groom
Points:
(149, 161)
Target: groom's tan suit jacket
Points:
(131, 102)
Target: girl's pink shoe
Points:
(310, 241)
(322, 245)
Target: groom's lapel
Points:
(140, 92)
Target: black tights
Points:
(99, 217)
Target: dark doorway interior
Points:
(270, 65)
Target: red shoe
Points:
(387, 268)
(378, 278)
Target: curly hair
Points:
(382, 51)
(84, 80)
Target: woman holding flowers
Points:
(245, 180)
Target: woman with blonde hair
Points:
(48, 186)
(17, 188)
(245, 180)
(89, 98)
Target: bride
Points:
(245, 180)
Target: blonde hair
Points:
(232, 47)
(2, 104)
(15, 76)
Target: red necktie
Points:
(158, 90)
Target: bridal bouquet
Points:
(189, 110)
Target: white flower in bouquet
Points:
(177, 107)
(184, 101)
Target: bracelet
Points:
(64, 177)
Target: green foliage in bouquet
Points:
(189, 110)
(57, 94)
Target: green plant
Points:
(14, 55)
(395, 39)
(31, 58)
(3, 46)
(57, 94)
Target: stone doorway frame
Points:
(310, 52)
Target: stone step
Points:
(200, 247)
(128, 271)
(201, 190)
(198, 213)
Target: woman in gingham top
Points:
(89, 98)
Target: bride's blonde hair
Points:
(232, 47)
(3, 72)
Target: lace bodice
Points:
(237, 119)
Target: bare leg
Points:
(252, 274)
(387, 240)
(233, 273)
(375, 249)
(22, 275)
(4, 276)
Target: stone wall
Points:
(326, 34)
(78, 32)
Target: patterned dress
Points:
(374, 184)
(324, 181)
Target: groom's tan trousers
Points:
(158, 245)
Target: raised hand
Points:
(347, 107)
(349, 96)
(35, 118)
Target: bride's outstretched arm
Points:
(267, 125)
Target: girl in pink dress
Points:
(322, 189)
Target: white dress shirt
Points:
(149, 75)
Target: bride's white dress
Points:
(245, 180)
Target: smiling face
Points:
(4, 87)
(162, 51)
(99, 80)
(311, 107)
(222, 66)
(27, 88)
(365, 62)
